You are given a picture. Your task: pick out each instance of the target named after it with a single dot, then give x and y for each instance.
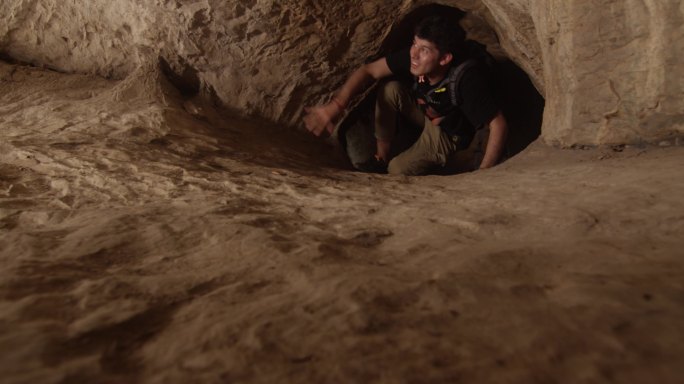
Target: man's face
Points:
(425, 57)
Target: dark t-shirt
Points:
(478, 107)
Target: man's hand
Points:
(498, 131)
(320, 119)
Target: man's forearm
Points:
(498, 131)
(360, 79)
(355, 84)
(322, 118)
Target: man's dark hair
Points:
(446, 35)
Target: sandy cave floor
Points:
(148, 239)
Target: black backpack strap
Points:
(455, 75)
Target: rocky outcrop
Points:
(609, 69)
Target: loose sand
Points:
(147, 238)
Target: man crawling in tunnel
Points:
(433, 99)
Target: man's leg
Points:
(431, 150)
(394, 104)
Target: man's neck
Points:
(434, 78)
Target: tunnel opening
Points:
(520, 102)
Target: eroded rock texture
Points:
(607, 68)
(149, 237)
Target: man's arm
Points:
(320, 119)
(498, 131)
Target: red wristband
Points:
(339, 105)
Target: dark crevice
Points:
(522, 105)
(183, 76)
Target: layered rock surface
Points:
(608, 69)
(147, 236)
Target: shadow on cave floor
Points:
(253, 139)
(250, 141)
(278, 147)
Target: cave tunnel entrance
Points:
(520, 101)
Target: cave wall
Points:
(612, 69)
(263, 58)
(609, 69)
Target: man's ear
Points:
(446, 59)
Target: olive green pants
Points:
(418, 145)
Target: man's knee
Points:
(412, 163)
(390, 91)
(400, 166)
(395, 168)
